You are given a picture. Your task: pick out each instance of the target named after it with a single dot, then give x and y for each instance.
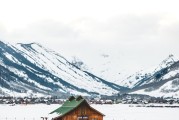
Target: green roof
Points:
(69, 105)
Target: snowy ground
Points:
(112, 112)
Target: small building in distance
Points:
(76, 109)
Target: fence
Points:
(20, 118)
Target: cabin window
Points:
(82, 118)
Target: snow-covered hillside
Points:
(153, 81)
(31, 68)
(162, 81)
(106, 66)
(148, 76)
(166, 86)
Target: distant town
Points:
(119, 99)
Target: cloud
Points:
(2, 31)
(170, 32)
(134, 33)
(42, 31)
(134, 28)
(121, 29)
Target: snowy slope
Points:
(138, 80)
(31, 69)
(107, 66)
(149, 76)
(164, 82)
(28, 68)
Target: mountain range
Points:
(31, 69)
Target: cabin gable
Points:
(81, 112)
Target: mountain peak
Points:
(171, 59)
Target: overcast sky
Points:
(144, 31)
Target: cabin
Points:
(76, 109)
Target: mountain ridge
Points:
(47, 71)
(31, 69)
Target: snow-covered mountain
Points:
(153, 81)
(31, 68)
(161, 81)
(106, 66)
(148, 76)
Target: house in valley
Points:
(77, 109)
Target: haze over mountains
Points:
(31, 69)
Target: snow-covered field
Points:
(112, 112)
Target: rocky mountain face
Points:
(31, 69)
